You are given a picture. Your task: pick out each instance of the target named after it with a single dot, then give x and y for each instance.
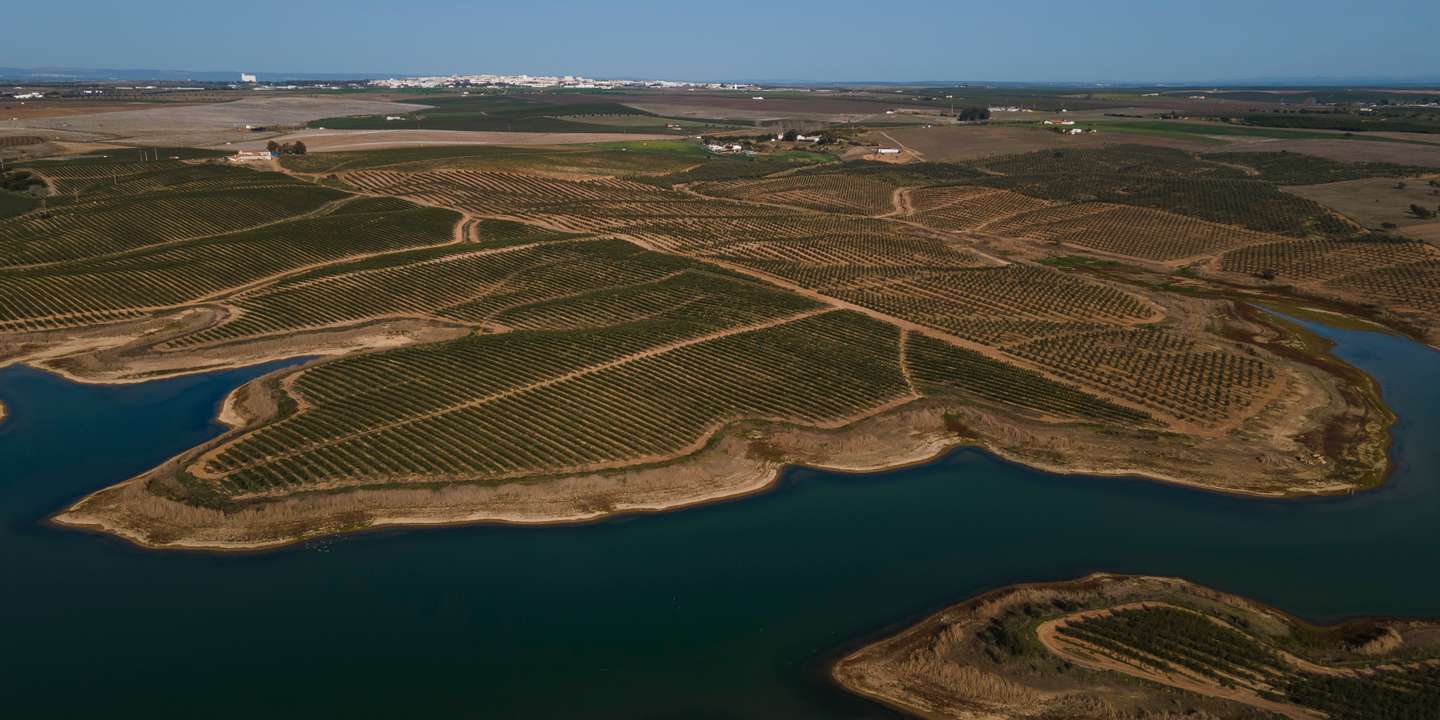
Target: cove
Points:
(726, 611)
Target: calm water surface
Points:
(727, 611)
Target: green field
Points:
(522, 113)
(1199, 131)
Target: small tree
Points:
(298, 148)
(273, 146)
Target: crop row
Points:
(940, 368)
(458, 284)
(1310, 260)
(1009, 292)
(90, 230)
(1414, 285)
(1179, 638)
(1386, 693)
(1131, 231)
(968, 208)
(481, 408)
(191, 270)
(1156, 369)
(850, 194)
(1253, 204)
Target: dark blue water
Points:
(731, 610)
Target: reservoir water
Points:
(726, 611)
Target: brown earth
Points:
(1374, 201)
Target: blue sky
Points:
(1034, 40)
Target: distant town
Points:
(545, 81)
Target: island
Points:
(1108, 646)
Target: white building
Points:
(888, 151)
(247, 78)
(252, 156)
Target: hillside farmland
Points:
(638, 336)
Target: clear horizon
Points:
(1114, 41)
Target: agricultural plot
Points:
(1070, 328)
(941, 368)
(1167, 373)
(521, 404)
(1179, 644)
(1136, 232)
(510, 113)
(966, 207)
(1409, 286)
(1169, 180)
(108, 288)
(848, 194)
(1287, 168)
(1312, 260)
(457, 283)
(125, 223)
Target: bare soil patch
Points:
(215, 123)
(1373, 201)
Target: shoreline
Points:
(1088, 458)
(771, 479)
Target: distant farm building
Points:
(888, 151)
(1059, 121)
(252, 156)
(394, 117)
(247, 78)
